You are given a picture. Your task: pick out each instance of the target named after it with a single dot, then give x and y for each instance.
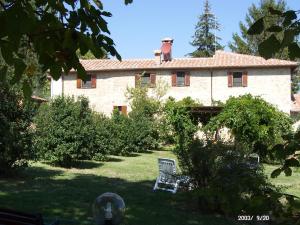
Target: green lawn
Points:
(68, 194)
(290, 185)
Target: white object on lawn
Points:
(167, 176)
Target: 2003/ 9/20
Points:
(250, 218)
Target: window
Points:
(122, 109)
(87, 83)
(180, 79)
(90, 82)
(145, 79)
(237, 79)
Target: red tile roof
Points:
(220, 60)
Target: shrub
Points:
(15, 136)
(65, 131)
(254, 123)
(225, 183)
(133, 134)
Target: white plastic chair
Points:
(167, 179)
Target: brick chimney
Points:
(157, 56)
(166, 49)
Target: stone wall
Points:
(272, 84)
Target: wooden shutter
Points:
(137, 79)
(124, 110)
(174, 79)
(93, 80)
(230, 79)
(78, 82)
(245, 79)
(152, 80)
(187, 79)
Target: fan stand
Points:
(108, 222)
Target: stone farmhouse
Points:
(205, 79)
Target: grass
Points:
(289, 184)
(68, 194)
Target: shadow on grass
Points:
(114, 159)
(87, 165)
(70, 198)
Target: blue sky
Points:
(137, 29)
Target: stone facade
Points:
(272, 84)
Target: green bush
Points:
(224, 182)
(15, 135)
(133, 134)
(65, 132)
(254, 123)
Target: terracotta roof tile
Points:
(220, 60)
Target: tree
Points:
(247, 44)
(288, 26)
(54, 30)
(205, 40)
(15, 120)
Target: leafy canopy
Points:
(248, 44)
(259, 127)
(54, 30)
(288, 24)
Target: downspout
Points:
(211, 86)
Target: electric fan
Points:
(108, 209)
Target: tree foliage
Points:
(54, 31)
(65, 132)
(259, 127)
(205, 39)
(248, 44)
(288, 26)
(15, 133)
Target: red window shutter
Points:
(174, 79)
(94, 80)
(124, 110)
(245, 79)
(137, 79)
(187, 79)
(78, 82)
(152, 80)
(230, 79)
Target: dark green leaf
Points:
(20, 66)
(98, 4)
(3, 72)
(55, 71)
(257, 27)
(274, 28)
(81, 71)
(292, 162)
(289, 16)
(108, 14)
(275, 11)
(294, 50)
(288, 171)
(269, 47)
(27, 91)
(276, 173)
(128, 1)
(7, 53)
(289, 36)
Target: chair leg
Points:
(175, 187)
(155, 185)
